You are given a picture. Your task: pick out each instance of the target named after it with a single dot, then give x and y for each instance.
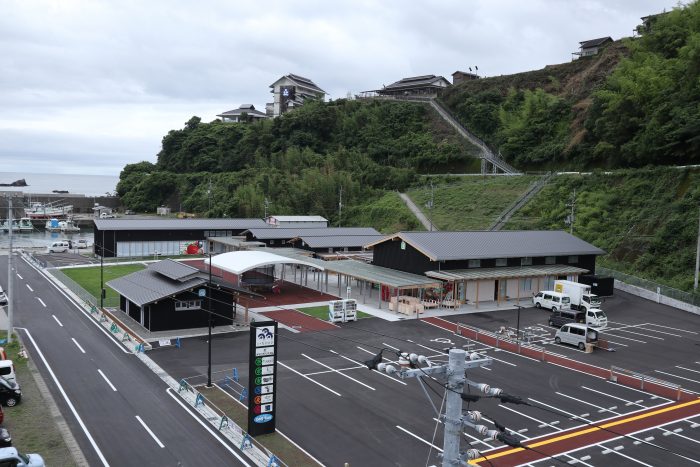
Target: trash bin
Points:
(589, 347)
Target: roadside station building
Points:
(280, 237)
(482, 266)
(297, 221)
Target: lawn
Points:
(321, 312)
(89, 278)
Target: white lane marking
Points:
(606, 333)
(20, 276)
(578, 371)
(614, 451)
(614, 397)
(676, 431)
(76, 343)
(323, 372)
(687, 369)
(68, 401)
(390, 346)
(639, 334)
(306, 377)
(375, 372)
(99, 326)
(41, 301)
(600, 409)
(153, 435)
(29, 287)
(531, 418)
(648, 394)
(418, 438)
(676, 376)
(211, 432)
(669, 327)
(338, 372)
(59, 323)
(660, 332)
(486, 349)
(476, 440)
(107, 380)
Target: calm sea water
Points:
(40, 238)
(90, 185)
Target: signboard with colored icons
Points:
(262, 382)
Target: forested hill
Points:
(635, 104)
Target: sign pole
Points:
(262, 379)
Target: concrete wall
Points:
(658, 298)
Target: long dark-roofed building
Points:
(488, 265)
(151, 237)
(280, 237)
(333, 243)
(426, 85)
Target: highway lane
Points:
(128, 425)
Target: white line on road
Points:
(41, 301)
(59, 323)
(306, 377)
(338, 372)
(153, 435)
(600, 409)
(108, 381)
(614, 397)
(375, 372)
(660, 332)
(20, 276)
(606, 333)
(639, 334)
(68, 402)
(76, 343)
(648, 394)
(679, 377)
(29, 287)
(211, 432)
(418, 437)
(390, 346)
(687, 369)
(669, 327)
(531, 418)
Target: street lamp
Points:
(209, 308)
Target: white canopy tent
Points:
(238, 262)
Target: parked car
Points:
(560, 318)
(128, 212)
(552, 300)
(596, 318)
(81, 243)
(3, 297)
(60, 246)
(12, 457)
(5, 438)
(10, 393)
(576, 334)
(7, 370)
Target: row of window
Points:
(188, 305)
(526, 261)
(218, 233)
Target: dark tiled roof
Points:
(174, 270)
(446, 246)
(300, 80)
(245, 108)
(147, 286)
(339, 241)
(273, 233)
(595, 42)
(178, 224)
(415, 81)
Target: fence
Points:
(654, 287)
(83, 294)
(227, 427)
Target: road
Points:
(119, 411)
(417, 212)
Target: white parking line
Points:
(669, 327)
(153, 435)
(614, 397)
(531, 418)
(623, 455)
(606, 333)
(390, 346)
(76, 343)
(660, 332)
(29, 287)
(323, 372)
(20, 276)
(687, 369)
(338, 372)
(639, 334)
(59, 323)
(375, 372)
(676, 376)
(418, 438)
(600, 409)
(490, 356)
(648, 394)
(68, 401)
(41, 301)
(306, 377)
(108, 381)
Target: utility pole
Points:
(453, 407)
(10, 292)
(340, 205)
(697, 259)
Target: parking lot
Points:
(340, 412)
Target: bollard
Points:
(244, 395)
(223, 423)
(199, 400)
(246, 443)
(235, 374)
(114, 328)
(273, 462)
(177, 342)
(183, 385)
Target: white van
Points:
(576, 334)
(553, 300)
(596, 318)
(60, 246)
(7, 371)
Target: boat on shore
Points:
(68, 226)
(38, 210)
(52, 225)
(25, 225)
(5, 226)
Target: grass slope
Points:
(89, 278)
(388, 214)
(471, 203)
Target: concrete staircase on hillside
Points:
(505, 216)
(417, 212)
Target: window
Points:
(474, 263)
(527, 261)
(550, 259)
(188, 305)
(272, 242)
(573, 259)
(526, 284)
(501, 262)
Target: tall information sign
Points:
(262, 379)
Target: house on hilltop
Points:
(648, 23)
(459, 76)
(292, 91)
(593, 46)
(244, 113)
(419, 86)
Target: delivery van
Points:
(551, 300)
(59, 247)
(576, 334)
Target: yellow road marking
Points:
(588, 430)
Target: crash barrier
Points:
(615, 374)
(228, 379)
(227, 426)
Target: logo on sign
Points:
(263, 418)
(264, 379)
(264, 336)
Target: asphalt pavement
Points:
(120, 412)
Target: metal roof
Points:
(148, 286)
(595, 42)
(248, 109)
(237, 242)
(178, 224)
(274, 233)
(173, 269)
(299, 218)
(505, 273)
(415, 81)
(367, 272)
(339, 241)
(239, 262)
(447, 246)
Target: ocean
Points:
(89, 185)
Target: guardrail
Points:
(645, 382)
(651, 286)
(227, 427)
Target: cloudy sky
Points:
(88, 86)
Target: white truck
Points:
(580, 294)
(10, 456)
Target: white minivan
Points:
(60, 246)
(555, 301)
(596, 318)
(576, 334)
(7, 371)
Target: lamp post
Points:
(518, 325)
(209, 308)
(102, 272)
